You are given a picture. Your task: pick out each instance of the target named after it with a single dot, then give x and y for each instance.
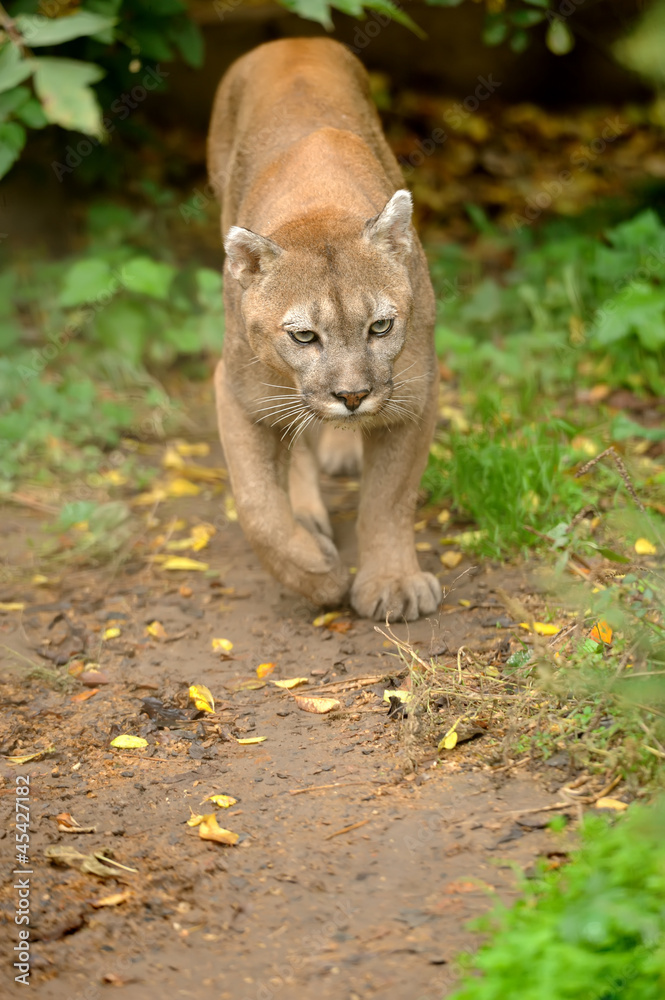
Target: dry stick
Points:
(335, 784)
(541, 809)
(346, 829)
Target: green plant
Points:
(61, 85)
(593, 930)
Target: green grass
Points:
(593, 930)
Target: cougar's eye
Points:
(381, 327)
(303, 336)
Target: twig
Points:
(346, 829)
(10, 27)
(335, 784)
(540, 809)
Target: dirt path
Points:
(298, 908)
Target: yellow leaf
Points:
(249, 741)
(326, 619)
(610, 803)
(210, 829)
(111, 633)
(449, 741)
(400, 693)
(155, 495)
(24, 758)
(201, 535)
(644, 547)
(601, 632)
(224, 644)
(156, 629)
(182, 488)
(184, 563)
(230, 508)
(190, 449)
(114, 477)
(39, 580)
(420, 525)
(202, 698)
(253, 684)
(540, 628)
(319, 706)
(126, 742)
(172, 460)
(464, 603)
(291, 682)
(196, 818)
(264, 669)
(223, 801)
(113, 900)
(443, 516)
(451, 559)
(12, 606)
(423, 547)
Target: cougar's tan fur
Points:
(318, 237)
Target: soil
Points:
(362, 854)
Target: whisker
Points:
(302, 427)
(408, 368)
(272, 385)
(295, 420)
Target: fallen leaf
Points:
(115, 899)
(202, 697)
(607, 802)
(601, 632)
(76, 667)
(171, 459)
(180, 487)
(111, 633)
(223, 801)
(400, 693)
(251, 740)
(67, 824)
(449, 741)
(209, 829)
(224, 644)
(253, 684)
(24, 758)
(643, 547)
(540, 628)
(451, 559)
(126, 742)
(184, 563)
(443, 517)
(192, 449)
(195, 819)
(291, 682)
(84, 695)
(264, 669)
(230, 508)
(39, 580)
(319, 706)
(327, 618)
(153, 496)
(90, 864)
(156, 630)
(185, 591)
(12, 606)
(423, 547)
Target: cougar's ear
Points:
(249, 254)
(390, 230)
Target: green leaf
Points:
(495, 30)
(189, 41)
(520, 41)
(85, 281)
(444, 3)
(32, 114)
(636, 309)
(124, 328)
(559, 39)
(13, 68)
(39, 30)
(11, 100)
(623, 427)
(12, 141)
(539, 3)
(148, 277)
(312, 10)
(526, 18)
(63, 86)
(395, 14)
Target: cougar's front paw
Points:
(320, 574)
(375, 594)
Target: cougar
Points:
(328, 358)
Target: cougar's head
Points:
(325, 304)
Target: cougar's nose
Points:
(353, 399)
